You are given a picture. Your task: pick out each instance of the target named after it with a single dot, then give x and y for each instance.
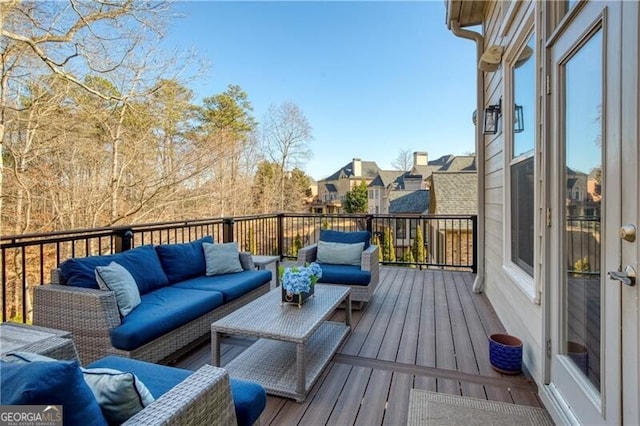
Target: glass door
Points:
(586, 314)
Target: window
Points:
(521, 165)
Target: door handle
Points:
(628, 276)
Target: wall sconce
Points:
(518, 119)
(491, 117)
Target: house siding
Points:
(520, 315)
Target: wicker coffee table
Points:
(295, 343)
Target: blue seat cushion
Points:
(141, 262)
(161, 311)
(51, 383)
(183, 261)
(159, 379)
(250, 399)
(330, 236)
(344, 274)
(231, 285)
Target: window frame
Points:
(528, 284)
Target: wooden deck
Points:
(423, 330)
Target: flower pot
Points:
(579, 354)
(296, 298)
(505, 353)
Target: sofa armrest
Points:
(203, 398)
(307, 254)
(88, 314)
(246, 260)
(370, 262)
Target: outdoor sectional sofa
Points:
(178, 301)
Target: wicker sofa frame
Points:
(368, 262)
(90, 314)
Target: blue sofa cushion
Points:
(142, 262)
(51, 383)
(161, 311)
(344, 274)
(346, 237)
(231, 285)
(249, 398)
(183, 261)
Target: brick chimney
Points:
(420, 159)
(357, 167)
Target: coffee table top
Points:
(266, 317)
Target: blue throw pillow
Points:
(51, 383)
(142, 262)
(339, 253)
(121, 395)
(183, 261)
(222, 258)
(116, 278)
(345, 237)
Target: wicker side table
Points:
(40, 340)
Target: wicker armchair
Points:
(368, 262)
(203, 398)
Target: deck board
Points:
(423, 329)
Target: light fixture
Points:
(492, 115)
(518, 119)
(491, 58)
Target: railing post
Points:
(280, 234)
(124, 237)
(474, 222)
(370, 223)
(227, 230)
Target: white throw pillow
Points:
(117, 279)
(339, 253)
(222, 258)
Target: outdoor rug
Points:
(439, 409)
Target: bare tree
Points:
(286, 134)
(403, 161)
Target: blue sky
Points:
(372, 78)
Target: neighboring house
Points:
(332, 190)
(379, 188)
(452, 193)
(569, 145)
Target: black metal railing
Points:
(410, 241)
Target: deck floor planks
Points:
(465, 355)
(417, 317)
(479, 338)
(445, 353)
(426, 355)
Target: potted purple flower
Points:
(298, 282)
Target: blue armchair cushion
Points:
(116, 278)
(249, 398)
(344, 274)
(222, 258)
(161, 311)
(51, 383)
(142, 262)
(183, 261)
(231, 286)
(346, 237)
(339, 253)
